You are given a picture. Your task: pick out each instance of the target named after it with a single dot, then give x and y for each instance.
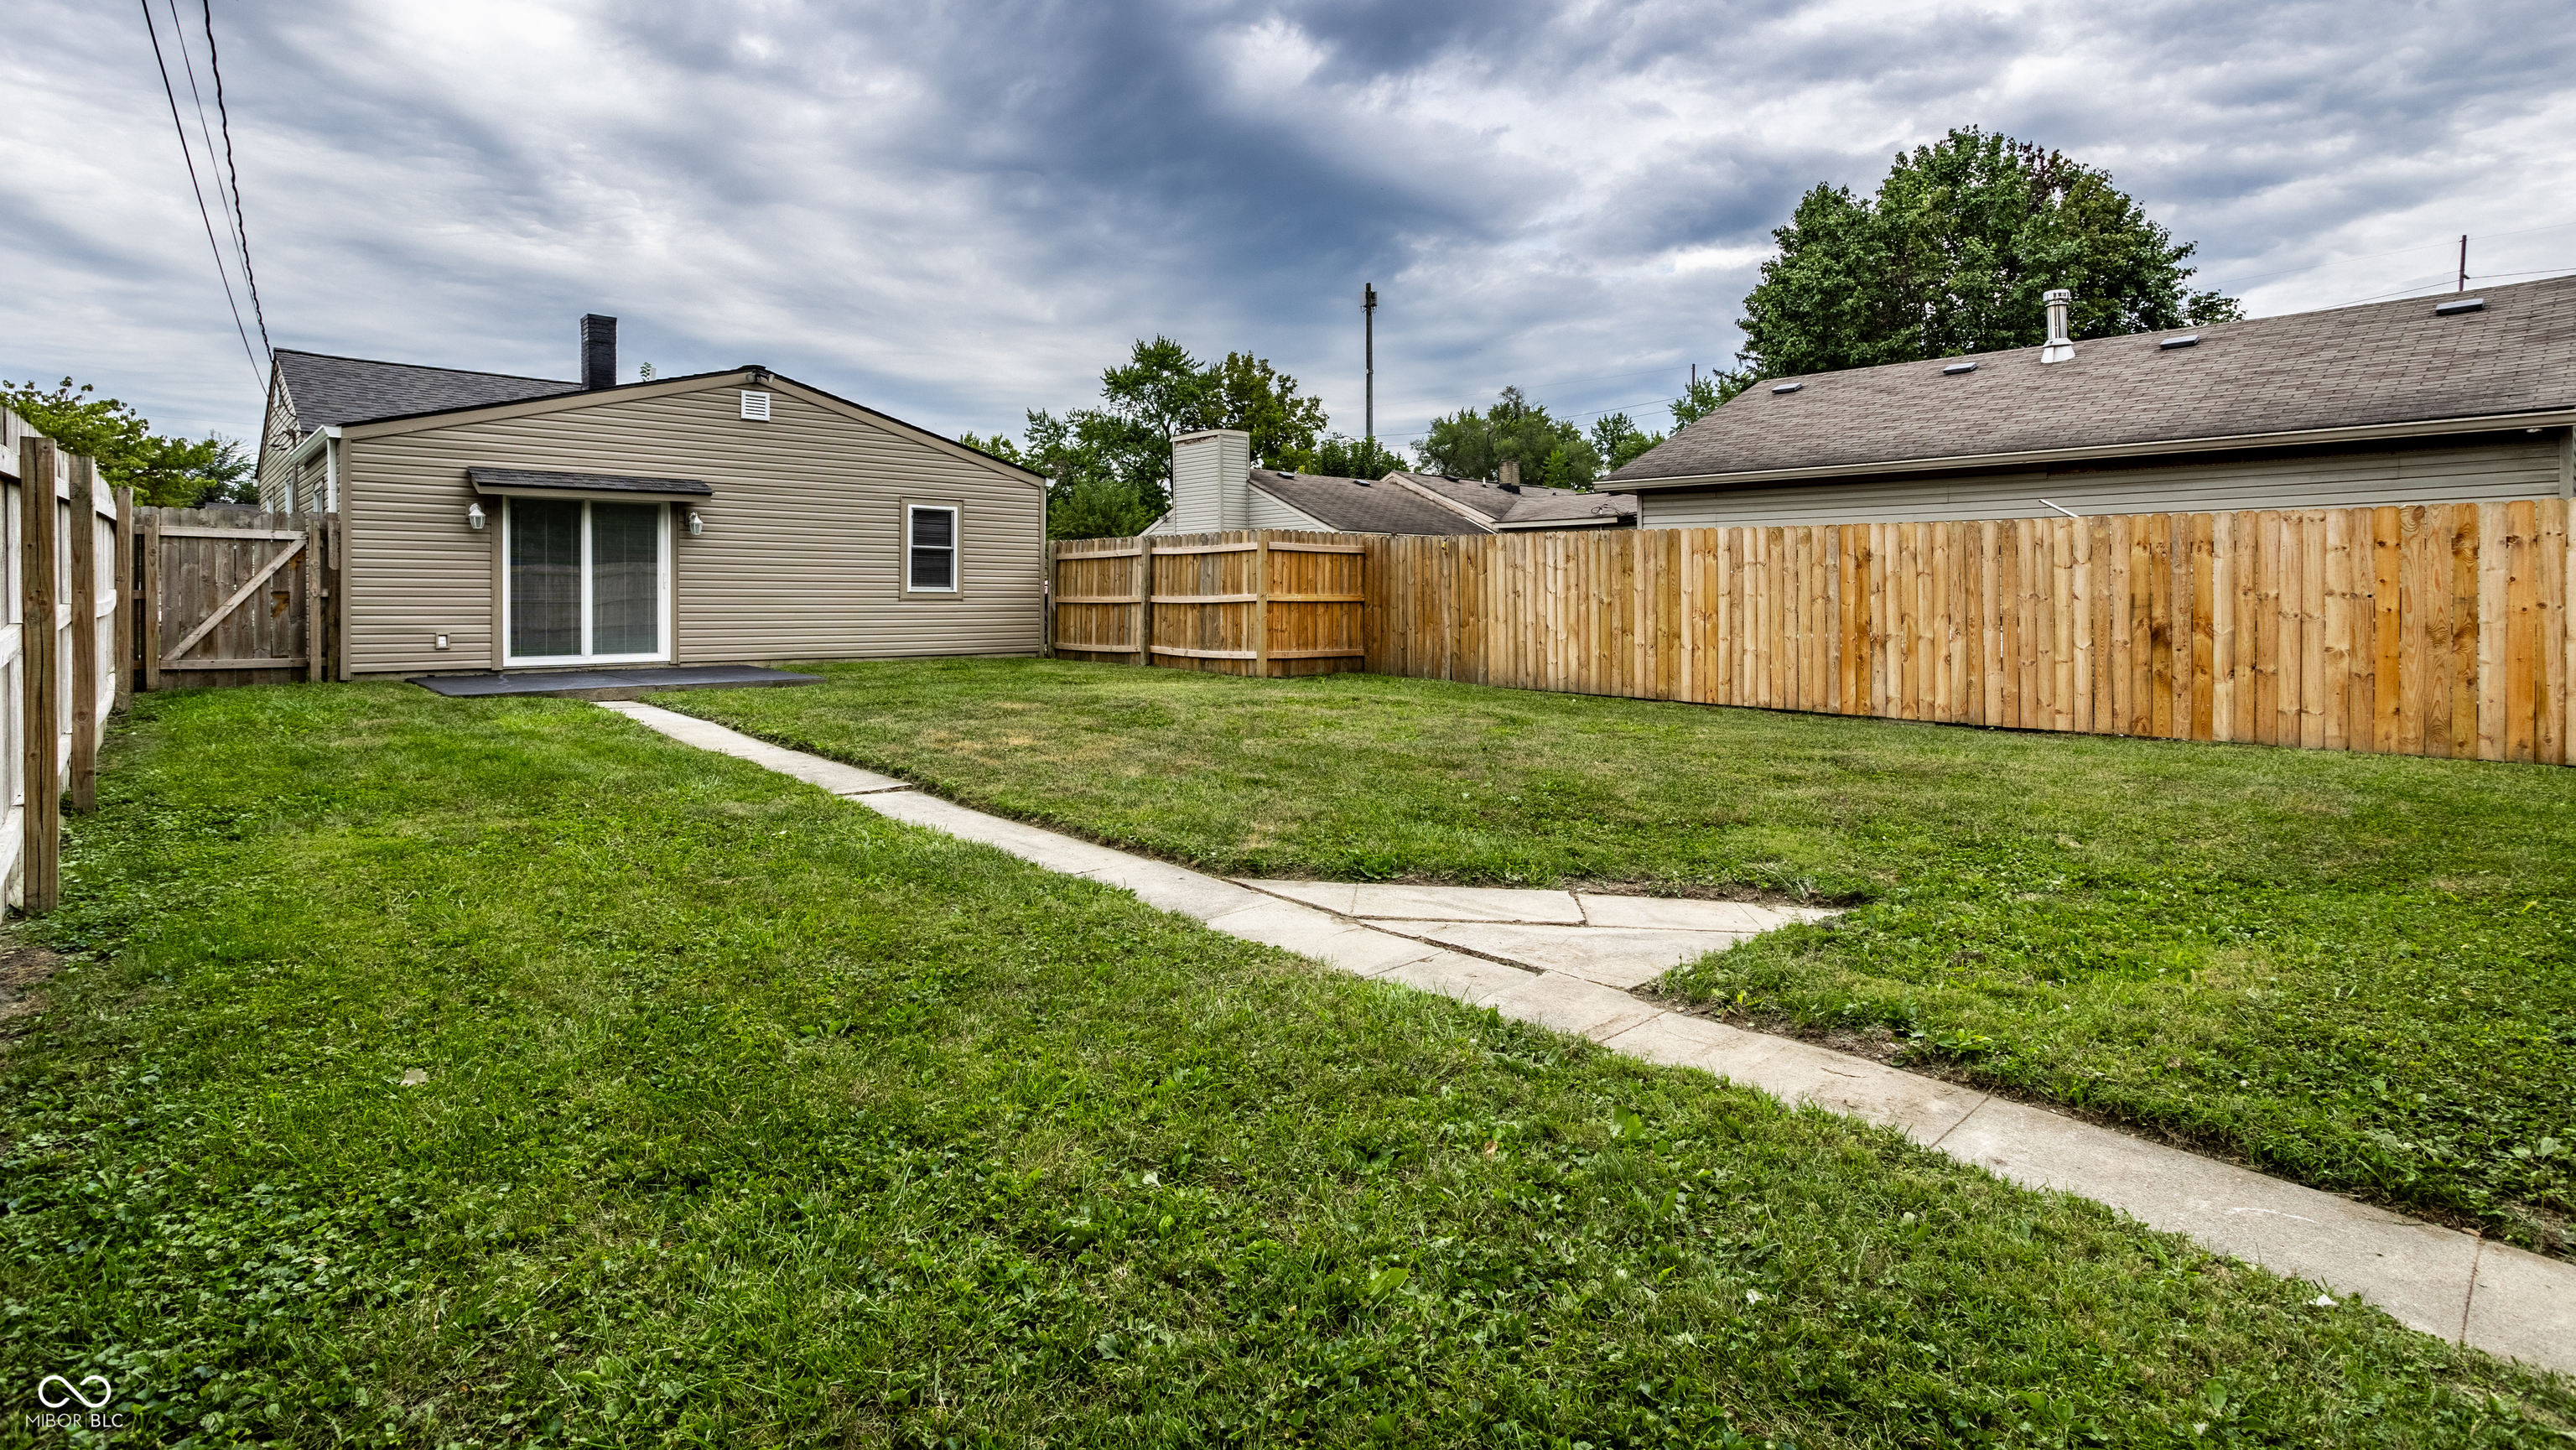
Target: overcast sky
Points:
(955, 213)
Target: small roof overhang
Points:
(546, 483)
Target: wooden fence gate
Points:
(1241, 602)
(235, 597)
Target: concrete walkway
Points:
(1565, 960)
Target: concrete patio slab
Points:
(1667, 914)
(1463, 903)
(2524, 1300)
(2427, 1277)
(1608, 955)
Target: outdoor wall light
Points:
(474, 515)
(697, 525)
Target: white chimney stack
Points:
(1211, 481)
(2060, 348)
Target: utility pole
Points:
(2464, 262)
(1368, 352)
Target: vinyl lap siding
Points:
(800, 558)
(2523, 467)
(1261, 511)
(1208, 486)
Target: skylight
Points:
(1958, 368)
(1788, 387)
(2459, 305)
(2187, 340)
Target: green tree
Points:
(1619, 441)
(1110, 467)
(1346, 457)
(1951, 257)
(1473, 444)
(164, 472)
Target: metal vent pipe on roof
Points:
(2060, 347)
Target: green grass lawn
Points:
(748, 1117)
(2354, 970)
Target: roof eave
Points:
(2359, 433)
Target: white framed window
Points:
(930, 548)
(585, 582)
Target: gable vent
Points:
(1958, 368)
(2192, 340)
(755, 405)
(2464, 304)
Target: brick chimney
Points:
(598, 352)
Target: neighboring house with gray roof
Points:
(1215, 487)
(2442, 399)
(489, 521)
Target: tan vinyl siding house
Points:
(805, 523)
(2422, 400)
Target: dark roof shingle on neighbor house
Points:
(1530, 506)
(327, 391)
(1360, 505)
(2378, 365)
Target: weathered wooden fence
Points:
(2428, 630)
(234, 596)
(1242, 602)
(60, 650)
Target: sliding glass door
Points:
(587, 582)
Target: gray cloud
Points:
(955, 214)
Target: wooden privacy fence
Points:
(2438, 629)
(1241, 602)
(233, 596)
(60, 650)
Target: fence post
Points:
(124, 634)
(313, 598)
(1261, 604)
(150, 605)
(41, 780)
(84, 580)
(1145, 601)
(1046, 605)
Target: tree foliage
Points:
(1474, 444)
(164, 472)
(1110, 467)
(1951, 257)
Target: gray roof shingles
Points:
(329, 391)
(2381, 364)
(1533, 504)
(1360, 506)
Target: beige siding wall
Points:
(2525, 466)
(800, 558)
(1261, 511)
(1209, 485)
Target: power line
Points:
(2374, 256)
(205, 128)
(186, 153)
(241, 227)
